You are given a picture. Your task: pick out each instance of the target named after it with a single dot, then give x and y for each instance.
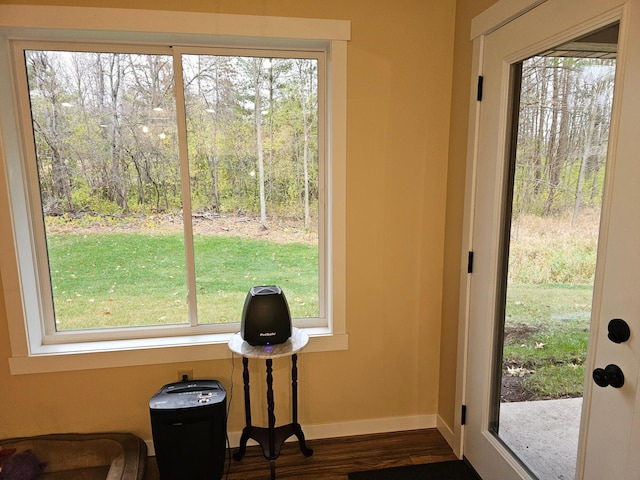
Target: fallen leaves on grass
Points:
(518, 371)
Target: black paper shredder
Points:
(189, 427)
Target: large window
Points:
(121, 199)
(160, 182)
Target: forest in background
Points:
(563, 130)
(107, 137)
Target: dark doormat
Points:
(453, 470)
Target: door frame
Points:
(488, 21)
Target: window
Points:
(116, 188)
(156, 181)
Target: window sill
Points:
(126, 353)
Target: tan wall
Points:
(461, 88)
(399, 85)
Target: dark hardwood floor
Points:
(334, 458)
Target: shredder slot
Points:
(191, 389)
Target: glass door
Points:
(562, 101)
(552, 224)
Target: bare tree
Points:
(49, 125)
(257, 64)
(306, 80)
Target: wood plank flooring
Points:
(334, 458)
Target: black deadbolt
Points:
(619, 330)
(609, 375)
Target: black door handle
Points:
(609, 375)
(619, 330)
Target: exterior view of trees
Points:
(106, 133)
(565, 106)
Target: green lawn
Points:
(546, 337)
(127, 279)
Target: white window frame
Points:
(30, 353)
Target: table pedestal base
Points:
(280, 435)
(271, 438)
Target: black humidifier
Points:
(265, 317)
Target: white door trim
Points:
(494, 17)
(500, 14)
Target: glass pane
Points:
(105, 139)
(252, 127)
(564, 105)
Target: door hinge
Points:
(463, 415)
(470, 262)
(480, 85)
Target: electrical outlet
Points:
(185, 373)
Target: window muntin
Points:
(133, 134)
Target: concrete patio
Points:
(544, 434)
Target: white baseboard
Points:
(367, 427)
(446, 432)
(347, 429)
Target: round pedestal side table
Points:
(271, 437)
